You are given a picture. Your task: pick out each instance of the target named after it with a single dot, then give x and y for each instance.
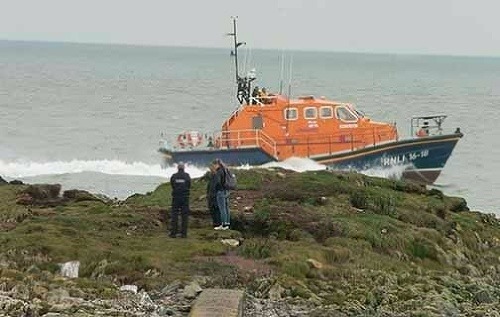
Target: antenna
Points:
(282, 62)
(289, 93)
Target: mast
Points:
(235, 49)
(244, 83)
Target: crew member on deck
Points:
(424, 130)
(255, 95)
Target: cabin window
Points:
(291, 114)
(326, 112)
(345, 114)
(310, 113)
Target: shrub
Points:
(337, 255)
(258, 248)
(422, 248)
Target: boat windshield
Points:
(344, 114)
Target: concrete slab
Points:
(215, 302)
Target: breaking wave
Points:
(20, 169)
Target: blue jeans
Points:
(223, 204)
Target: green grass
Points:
(366, 232)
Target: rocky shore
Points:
(301, 244)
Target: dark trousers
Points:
(214, 211)
(179, 206)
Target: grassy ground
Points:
(362, 232)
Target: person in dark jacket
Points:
(222, 195)
(212, 198)
(181, 185)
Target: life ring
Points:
(191, 139)
(195, 138)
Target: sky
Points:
(445, 27)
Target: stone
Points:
(129, 288)
(43, 191)
(230, 242)
(145, 300)
(214, 302)
(171, 288)
(100, 269)
(24, 199)
(70, 269)
(322, 200)
(79, 195)
(276, 292)
(57, 295)
(191, 290)
(314, 264)
(248, 209)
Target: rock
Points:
(230, 242)
(248, 209)
(129, 288)
(43, 191)
(100, 270)
(171, 288)
(57, 295)
(321, 200)
(220, 302)
(314, 264)
(70, 269)
(191, 290)
(145, 301)
(16, 182)
(39, 291)
(24, 199)
(275, 292)
(20, 292)
(281, 175)
(79, 195)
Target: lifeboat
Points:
(273, 127)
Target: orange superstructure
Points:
(304, 127)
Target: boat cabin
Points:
(305, 127)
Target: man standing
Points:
(222, 195)
(181, 184)
(212, 197)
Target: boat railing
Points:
(341, 141)
(427, 125)
(247, 138)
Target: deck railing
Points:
(303, 146)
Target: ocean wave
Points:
(19, 169)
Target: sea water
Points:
(90, 116)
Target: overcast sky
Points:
(457, 27)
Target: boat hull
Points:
(422, 159)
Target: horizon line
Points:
(317, 50)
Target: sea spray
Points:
(22, 169)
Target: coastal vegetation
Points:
(321, 242)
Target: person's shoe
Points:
(219, 227)
(226, 227)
